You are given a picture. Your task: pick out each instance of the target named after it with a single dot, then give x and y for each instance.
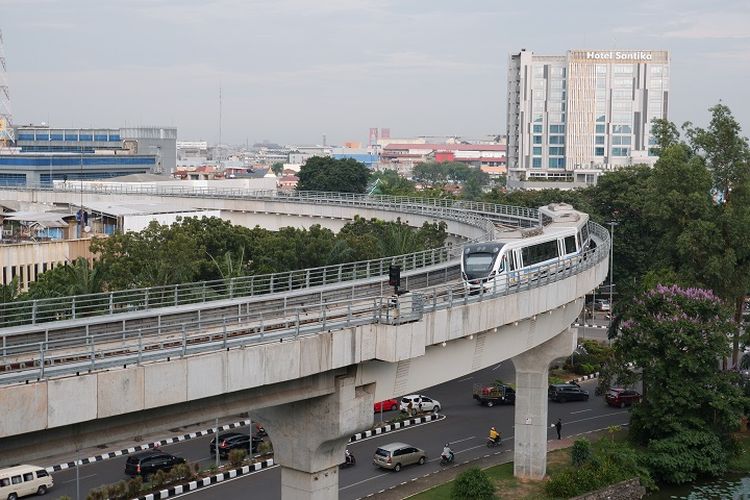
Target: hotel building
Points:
(574, 116)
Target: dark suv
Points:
(231, 441)
(146, 463)
(567, 392)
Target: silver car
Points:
(396, 455)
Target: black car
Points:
(232, 441)
(145, 463)
(567, 392)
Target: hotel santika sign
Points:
(631, 56)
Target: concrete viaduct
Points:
(313, 366)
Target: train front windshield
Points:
(478, 265)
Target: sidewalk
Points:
(420, 484)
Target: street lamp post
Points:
(612, 225)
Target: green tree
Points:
(82, 278)
(277, 168)
(727, 156)
(328, 174)
(665, 134)
(726, 152)
(473, 484)
(158, 255)
(10, 291)
(675, 336)
(391, 183)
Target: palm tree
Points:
(82, 279)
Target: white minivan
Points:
(22, 480)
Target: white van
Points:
(23, 480)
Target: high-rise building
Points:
(571, 117)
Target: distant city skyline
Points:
(292, 70)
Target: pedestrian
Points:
(558, 428)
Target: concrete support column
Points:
(530, 435)
(309, 438)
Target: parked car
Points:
(145, 463)
(495, 393)
(387, 405)
(396, 455)
(567, 392)
(233, 441)
(622, 397)
(22, 480)
(419, 402)
(601, 305)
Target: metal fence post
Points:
(41, 360)
(296, 324)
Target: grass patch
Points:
(509, 486)
(506, 485)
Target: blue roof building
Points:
(43, 154)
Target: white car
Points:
(419, 402)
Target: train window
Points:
(585, 233)
(540, 252)
(570, 244)
(478, 263)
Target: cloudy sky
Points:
(292, 70)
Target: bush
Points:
(117, 490)
(159, 479)
(684, 457)
(180, 472)
(135, 486)
(97, 494)
(473, 484)
(265, 447)
(580, 453)
(236, 457)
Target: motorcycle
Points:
(349, 461)
(447, 460)
(491, 443)
(260, 431)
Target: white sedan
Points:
(419, 403)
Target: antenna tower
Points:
(6, 117)
(218, 146)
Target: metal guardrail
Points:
(73, 307)
(276, 320)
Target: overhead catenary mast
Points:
(7, 137)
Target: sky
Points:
(292, 70)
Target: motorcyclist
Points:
(494, 435)
(348, 458)
(447, 453)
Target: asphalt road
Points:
(466, 426)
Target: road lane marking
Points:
(365, 480)
(581, 411)
(497, 366)
(465, 379)
(79, 479)
(462, 440)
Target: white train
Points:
(526, 254)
